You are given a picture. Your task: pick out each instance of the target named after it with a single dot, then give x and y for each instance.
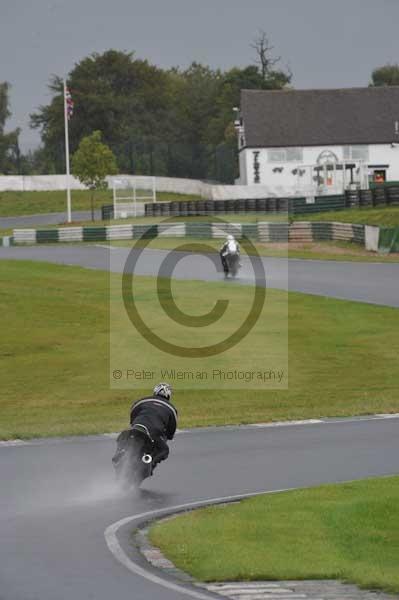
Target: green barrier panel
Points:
(358, 233)
(199, 230)
(44, 236)
(388, 240)
(145, 231)
(321, 204)
(250, 230)
(91, 234)
(107, 212)
(278, 232)
(321, 231)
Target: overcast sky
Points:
(326, 43)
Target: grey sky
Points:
(327, 43)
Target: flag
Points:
(69, 103)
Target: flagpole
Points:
(68, 183)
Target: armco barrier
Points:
(220, 230)
(273, 232)
(299, 232)
(70, 234)
(24, 236)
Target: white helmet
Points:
(230, 238)
(164, 390)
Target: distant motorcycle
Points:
(231, 264)
(133, 460)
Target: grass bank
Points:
(14, 204)
(387, 216)
(347, 532)
(227, 218)
(55, 345)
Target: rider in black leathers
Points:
(157, 417)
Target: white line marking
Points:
(287, 423)
(387, 415)
(14, 443)
(111, 539)
(105, 246)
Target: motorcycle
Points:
(133, 460)
(232, 264)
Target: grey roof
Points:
(320, 117)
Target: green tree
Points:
(172, 122)
(92, 162)
(9, 147)
(123, 97)
(195, 92)
(385, 75)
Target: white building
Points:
(318, 140)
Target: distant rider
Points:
(231, 246)
(157, 417)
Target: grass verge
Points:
(228, 218)
(14, 204)
(387, 216)
(347, 531)
(55, 346)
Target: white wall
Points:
(38, 183)
(33, 183)
(163, 184)
(385, 154)
(378, 154)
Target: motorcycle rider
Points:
(230, 246)
(156, 416)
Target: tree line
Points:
(167, 122)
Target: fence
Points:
(264, 232)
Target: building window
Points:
(285, 155)
(356, 153)
(256, 167)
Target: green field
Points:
(55, 346)
(348, 532)
(227, 218)
(13, 204)
(387, 216)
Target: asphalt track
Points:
(46, 219)
(374, 283)
(58, 497)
